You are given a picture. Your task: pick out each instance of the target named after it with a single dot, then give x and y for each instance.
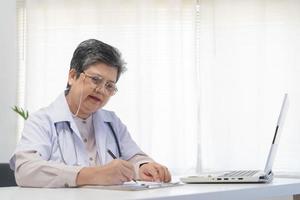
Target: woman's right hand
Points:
(114, 173)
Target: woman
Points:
(74, 141)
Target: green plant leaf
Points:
(21, 112)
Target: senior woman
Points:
(75, 142)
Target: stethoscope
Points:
(72, 133)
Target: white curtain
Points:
(249, 57)
(157, 95)
(205, 79)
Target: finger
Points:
(123, 179)
(125, 170)
(127, 173)
(161, 171)
(146, 177)
(154, 173)
(167, 175)
(127, 165)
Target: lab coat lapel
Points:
(100, 128)
(75, 130)
(60, 112)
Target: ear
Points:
(72, 76)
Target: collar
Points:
(59, 110)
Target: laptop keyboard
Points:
(241, 173)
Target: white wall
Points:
(8, 78)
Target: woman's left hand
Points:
(154, 172)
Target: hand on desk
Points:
(154, 172)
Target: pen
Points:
(111, 154)
(115, 157)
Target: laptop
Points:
(246, 176)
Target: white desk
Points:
(279, 187)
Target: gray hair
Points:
(93, 51)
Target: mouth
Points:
(94, 98)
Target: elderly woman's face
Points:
(92, 89)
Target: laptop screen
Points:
(278, 130)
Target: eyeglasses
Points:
(110, 87)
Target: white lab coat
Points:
(54, 125)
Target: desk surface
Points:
(279, 187)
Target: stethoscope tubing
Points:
(112, 131)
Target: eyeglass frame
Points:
(101, 79)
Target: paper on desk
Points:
(136, 186)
